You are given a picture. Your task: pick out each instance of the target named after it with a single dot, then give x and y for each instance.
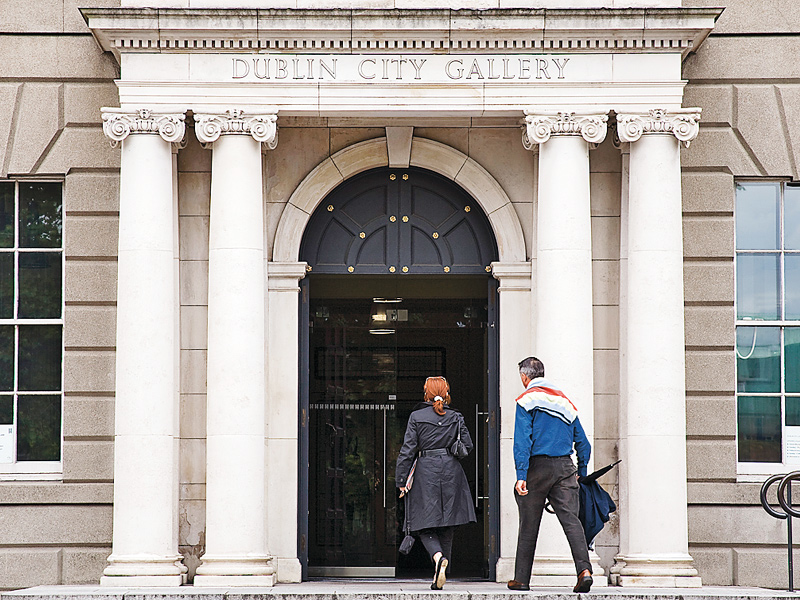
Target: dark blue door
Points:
(387, 221)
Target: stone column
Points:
(563, 290)
(514, 345)
(282, 416)
(236, 534)
(145, 536)
(654, 550)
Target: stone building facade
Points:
(191, 312)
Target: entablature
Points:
(447, 31)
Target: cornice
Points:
(604, 30)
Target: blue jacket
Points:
(538, 433)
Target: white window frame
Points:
(34, 470)
(756, 471)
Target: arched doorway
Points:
(398, 288)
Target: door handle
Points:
(478, 413)
(384, 458)
(477, 453)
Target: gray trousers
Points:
(549, 478)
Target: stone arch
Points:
(427, 154)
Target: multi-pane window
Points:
(31, 324)
(768, 323)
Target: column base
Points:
(559, 571)
(144, 571)
(552, 571)
(662, 571)
(238, 571)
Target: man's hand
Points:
(522, 487)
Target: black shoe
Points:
(439, 575)
(584, 582)
(518, 586)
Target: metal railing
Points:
(784, 494)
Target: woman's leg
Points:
(430, 539)
(446, 540)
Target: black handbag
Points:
(458, 448)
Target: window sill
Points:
(31, 471)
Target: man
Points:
(545, 430)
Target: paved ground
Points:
(332, 589)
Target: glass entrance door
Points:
(368, 360)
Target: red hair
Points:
(437, 390)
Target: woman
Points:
(440, 498)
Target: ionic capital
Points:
(117, 125)
(540, 128)
(683, 123)
(263, 128)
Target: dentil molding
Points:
(117, 125)
(684, 124)
(263, 128)
(539, 128)
(565, 30)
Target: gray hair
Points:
(531, 367)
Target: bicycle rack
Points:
(785, 500)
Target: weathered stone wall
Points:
(53, 81)
(744, 77)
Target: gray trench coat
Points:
(439, 496)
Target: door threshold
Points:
(351, 571)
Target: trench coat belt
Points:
(434, 452)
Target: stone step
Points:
(387, 590)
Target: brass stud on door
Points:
(405, 219)
(447, 269)
(435, 235)
(467, 209)
(488, 269)
(393, 218)
(405, 269)
(391, 269)
(330, 207)
(350, 269)
(405, 176)
(392, 176)
(308, 268)
(362, 235)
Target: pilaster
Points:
(515, 344)
(282, 416)
(145, 534)
(236, 509)
(654, 545)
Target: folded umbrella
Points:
(595, 504)
(408, 540)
